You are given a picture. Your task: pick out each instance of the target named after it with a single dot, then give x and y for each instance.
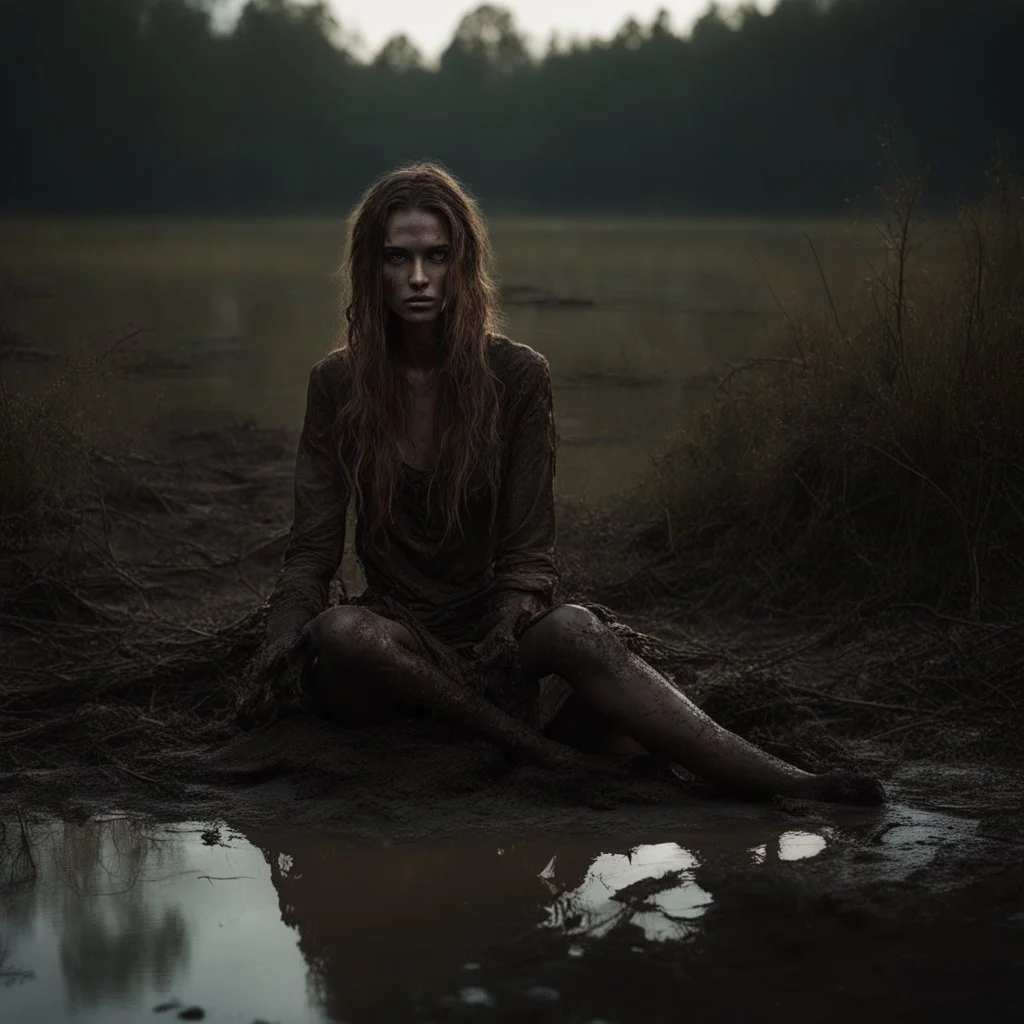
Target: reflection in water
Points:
(113, 943)
(120, 917)
(385, 930)
(389, 931)
(791, 846)
(652, 887)
(799, 845)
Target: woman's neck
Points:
(419, 345)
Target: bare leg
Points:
(357, 650)
(573, 643)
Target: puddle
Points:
(115, 919)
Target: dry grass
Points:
(126, 625)
(881, 455)
(46, 438)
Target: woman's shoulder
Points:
(512, 360)
(330, 375)
(333, 366)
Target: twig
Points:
(148, 780)
(828, 290)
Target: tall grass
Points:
(881, 455)
(45, 443)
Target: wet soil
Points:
(190, 529)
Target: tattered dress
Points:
(441, 587)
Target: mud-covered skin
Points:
(571, 642)
(365, 664)
(363, 659)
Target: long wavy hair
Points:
(374, 419)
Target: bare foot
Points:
(550, 754)
(845, 788)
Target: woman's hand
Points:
(497, 654)
(279, 654)
(273, 683)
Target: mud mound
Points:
(414, 768)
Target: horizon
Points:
(431, 27)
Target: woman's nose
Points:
(418, 277)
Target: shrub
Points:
(882, 454)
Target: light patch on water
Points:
(613, 894)
(543, 993)
(605, 900)
(475, 996)
(793, 845)
(800, 845)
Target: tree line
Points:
(144, 106)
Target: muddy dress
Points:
(445, 590)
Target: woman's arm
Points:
(318, 527)
(524, 558)
(525, 572)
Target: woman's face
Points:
(417, 252)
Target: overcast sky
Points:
(431, 23)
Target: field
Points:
(632, 315)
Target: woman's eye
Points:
(395, 257)
(440, 256)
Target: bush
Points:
(882, 455)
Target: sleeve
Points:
(525, 551)
(317, 536)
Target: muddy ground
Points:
(127, 625)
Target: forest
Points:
(146, 107)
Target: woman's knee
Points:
(568, 631)
(352, 635)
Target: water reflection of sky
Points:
(792, 846)
(122, 918)
(611, 895)
(307, 927)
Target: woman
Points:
(441, 431)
